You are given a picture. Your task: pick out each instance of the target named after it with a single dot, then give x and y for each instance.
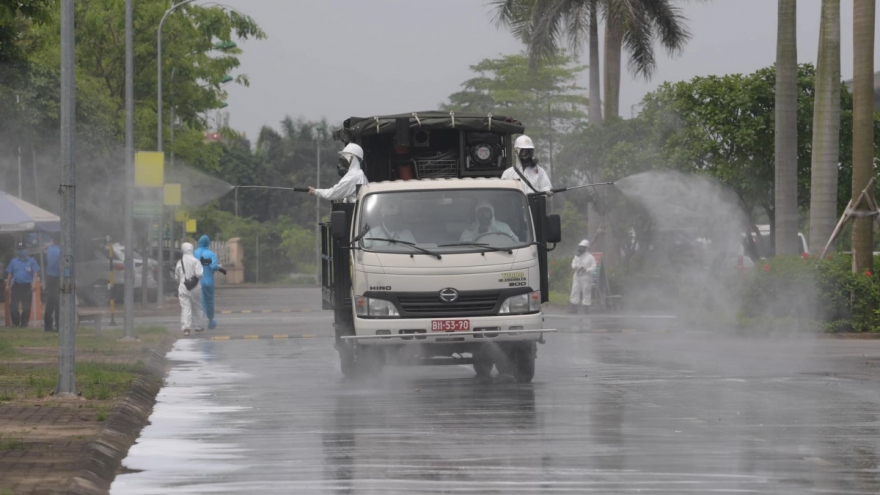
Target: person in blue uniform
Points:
(209, 265)
(53, 285)
(20, 282)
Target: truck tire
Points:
(483, 363)
(347, 360)
(523, 360)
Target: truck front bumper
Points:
(393, 331)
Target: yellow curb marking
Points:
(600, 330)
(250, 337)
(246, 311)
(219, 337)
(226, 312)
(281, 336)
(308, 336)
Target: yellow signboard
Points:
(180, 216)
(172, 195)
(191, 226)
(149, 168)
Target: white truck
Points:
(439, 261)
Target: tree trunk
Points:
(786, 130)
(595, 75)
(613, 41)
(826, 129)
(863, 127)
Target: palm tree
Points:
(863, 127)
(826, 128)
(630, 24)
(786, 211)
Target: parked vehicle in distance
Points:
(93, 274)
(170, 257)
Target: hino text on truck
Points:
(410, 276)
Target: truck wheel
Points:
(523, 360)
(482, 363)
(346, 360)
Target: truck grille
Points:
(478, 303)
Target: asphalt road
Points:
(618, 405)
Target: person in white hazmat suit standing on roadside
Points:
(532, 178)
(584, 267)
(190, 298)
(349, 167)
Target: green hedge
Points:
(825, 291)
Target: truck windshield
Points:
(445, 221)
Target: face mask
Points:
(342, 166)
(484, 216)
(22, 253)
(582, 250)
(525, 156)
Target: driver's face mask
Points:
(582, 250)
(484, 216)
(342, 166)
(525, 156)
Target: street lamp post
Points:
(160, 282)
(319, 129)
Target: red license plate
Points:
(450, 325)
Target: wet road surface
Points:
(654, 409)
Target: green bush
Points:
(825, 291)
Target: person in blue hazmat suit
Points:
(209, 265)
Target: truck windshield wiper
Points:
(487, 247)
(359, 236)
(405, 243)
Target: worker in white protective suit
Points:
(485, 224)
(389, 226)
(532, 178)
(190, 299)
(584, 267)
(349, 168)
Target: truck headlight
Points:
(375, 308)
(521, 304)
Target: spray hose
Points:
(295, 189)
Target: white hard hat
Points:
(353, 149)
(584, 243)
(524, 142)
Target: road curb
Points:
(124, 424)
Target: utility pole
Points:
(67, 312)
(128, 298)
(318, 210)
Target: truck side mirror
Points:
(553, 229)
(338, 225)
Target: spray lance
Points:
(563, 189)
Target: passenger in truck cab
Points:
(390, 226)
(349, 168)
(486, 224)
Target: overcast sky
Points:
(338, 58)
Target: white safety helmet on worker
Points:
(584, 243)
(354, 150)
(523, 143)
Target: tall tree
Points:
(544, 99)
(595, 74)
(630, 24)
(786, 211)
(863, 113)
(826, 128)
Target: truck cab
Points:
(439, 261)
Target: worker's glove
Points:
(221, 270)
(549, 193)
